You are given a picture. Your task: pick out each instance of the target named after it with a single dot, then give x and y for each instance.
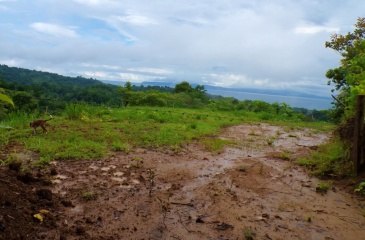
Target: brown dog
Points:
(42, 123)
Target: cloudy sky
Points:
(271, 44)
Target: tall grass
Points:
(17, 119)
(331, 160)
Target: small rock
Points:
(224, 226)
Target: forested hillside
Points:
(37, 91)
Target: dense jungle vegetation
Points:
(43, 92)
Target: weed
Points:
(278, 133)
(216, 145)
(118, 146)
(137, 162)
(13, 162)
(270, 141)
(360, 189)
(323, 187)
(74, 111)
(193, 125)
(89, 195)
(285, 156)
(293, 136)
(248, 234)
(253, 133)
(308, 218)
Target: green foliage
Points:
(349, 77)
(323, 187)
(120, 146)
(360, 189)
(89, 195)
(25, 101)
(35, 91)
(6, 99)
(215, 145)
(17, 119)
(183, 87)
(74, 111)
(331, 159)
(248, 234)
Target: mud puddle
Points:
(249, 190)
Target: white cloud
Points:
(11, 62)
(315, 29)
(234, 80)
(151, 70)
(93, 2)
(54, 30)
(118, 76)
(135, 19)
(239, 43)
(111, 67)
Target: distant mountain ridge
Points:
(27, 77)
(237, 90)
(80, 88)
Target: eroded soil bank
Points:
(252, 189)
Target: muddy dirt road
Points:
(252, 190)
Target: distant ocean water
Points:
(293, 101)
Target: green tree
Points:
(128, 86)
(183, 87)
(125, 93)
(349, 77)
(25, 101)
(286, 109)
(200, 88)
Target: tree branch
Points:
(341, 103)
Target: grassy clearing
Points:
(89, 132)
(85, 132)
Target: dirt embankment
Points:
(250, 191)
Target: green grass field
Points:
(87, 132)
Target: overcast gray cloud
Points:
(235, 43)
